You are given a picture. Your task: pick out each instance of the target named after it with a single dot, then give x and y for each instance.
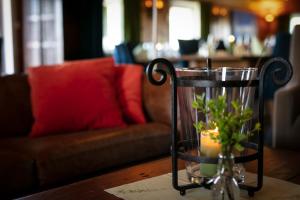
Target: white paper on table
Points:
(160, 188)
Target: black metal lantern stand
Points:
(164, 67)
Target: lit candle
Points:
(209, 148)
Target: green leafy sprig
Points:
(229, 124)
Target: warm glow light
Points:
(223, 12)
(231, 38)
(269, 18)
(219, 11)
(266, 7)
(148, 3)
(215, 10)
(210, 147)
(159, 4)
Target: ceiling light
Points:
(159, 4)
(148, 3)
(215, 10)
(269, 18)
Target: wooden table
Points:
(279, 164)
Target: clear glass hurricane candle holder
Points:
(200, 144)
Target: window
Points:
(295, 20)
(113, 31)
(220, 27)
(7, 51)
(43, 32)
(184, 22)
(42, 35)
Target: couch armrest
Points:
(286, 113)
(157, 101)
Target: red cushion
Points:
(129, 79)
(74, 96)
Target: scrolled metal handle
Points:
(278, 81)
(166, 68)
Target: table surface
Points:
(281, 164)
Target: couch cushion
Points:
(74, 96)
(60, 158)
(15, 116)
(129, 86)
(16, 174)
(157, 101)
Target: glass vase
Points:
(225, 186)
(199, 144)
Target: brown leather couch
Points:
(32, 164)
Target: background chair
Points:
(281, 49)
(286, 117)
(187, 47)
(123, 54)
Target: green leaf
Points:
(229, 124)
(199, 126)
(195, 104)
(257, 127)
(235, 105)
(239, 147)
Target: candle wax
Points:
(209, 148)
